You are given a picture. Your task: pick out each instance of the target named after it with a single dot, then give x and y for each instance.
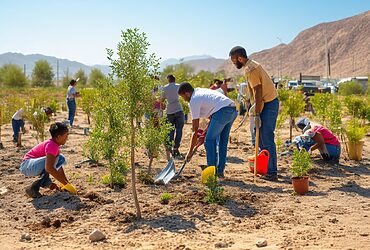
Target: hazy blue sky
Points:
(81, 29)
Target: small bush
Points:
(301, 163)
(145, 178)
(118, 179)
(351, 88)
(354, 131)
(215, 193)
(90, 178)
(165, 198)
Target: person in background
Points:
(72, 94)
(244, 99)
(206, 103)
(266, 104)
(175, 115)
(44, 159)
(220, 86)
(18, 124)
(316, 136)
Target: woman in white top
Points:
(71, 102)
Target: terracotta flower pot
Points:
(355, 150)
(300, 184)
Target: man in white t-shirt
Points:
(206, 103)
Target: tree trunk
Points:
(150, 164)
(133, 176)
(290, 129)
(111, 173)
(88, 119)
(19, 142)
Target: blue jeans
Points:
(220, 126)
(71, 110)
(17, 125)
(334, 151)
(177, 120)
(36, 166)
(267, 135)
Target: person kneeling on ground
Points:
(316, 136)
(206, 103)
(44, 159)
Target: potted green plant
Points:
(299, 168)
(355, 133)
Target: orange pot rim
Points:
(298, 178)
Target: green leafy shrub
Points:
(90, 178)
(145, 178)
(54, 105)
(165, 198)
(301, 163)
(114, 179)
(335, 115)
(283, 94)
(321, 104)
(357, 106)
(351, 88)
(154, 135)
(294, 107)
(214, 193)
(87, 97)
(354, 131)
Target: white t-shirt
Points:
(205, 102)
(71, 91)
(18, 115)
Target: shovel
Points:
(166, 174)
(169, 172)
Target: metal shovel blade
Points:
(169, 170)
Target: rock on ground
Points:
(96, 235)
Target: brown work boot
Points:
(33, 193)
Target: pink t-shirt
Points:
(329, 137)
(42, 149)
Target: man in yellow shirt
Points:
(264, 96)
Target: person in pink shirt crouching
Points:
(45, 159)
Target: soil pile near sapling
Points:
(334, 214)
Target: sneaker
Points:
(176, 155)
(32, 192)
(221, 175)
(270, 177)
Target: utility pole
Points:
(24, 70)
(58, 73)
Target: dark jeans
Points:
(177, 120)
(267, 133)
(71, 110)
(17, 125)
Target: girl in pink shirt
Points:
(44, 159)
(316, 136)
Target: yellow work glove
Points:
(70, 188)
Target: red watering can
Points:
(262, 163)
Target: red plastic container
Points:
(262, 164)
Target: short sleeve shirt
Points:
(205, 102)
(18, 115)
(169, 92)
(71, 91)
(256, 75)
(329, 137)
(42, 149)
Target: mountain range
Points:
(347, 41)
